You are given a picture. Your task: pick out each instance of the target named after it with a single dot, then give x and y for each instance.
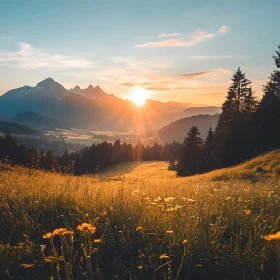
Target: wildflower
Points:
(247, 212)
(164, 256)
(190, 200)
(139, 228)
(228, 198)
(97, 240)
(86, 228)
(185, 241)
(27, 265)
(68, 232)
(140, 267)
(59, 231)
(270, 237)
(169, 231)
(47, 235)
(168, 199)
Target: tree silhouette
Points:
(190, 160)
(231, 131)
(208, 160)
(267, 118)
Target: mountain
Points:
(92, 108)
(35, 120)
(178, 130)
(89, 92)
(14, 128)
(42, 98)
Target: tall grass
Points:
(149, 225)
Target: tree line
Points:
(246, 127)
(87, 160)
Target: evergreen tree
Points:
(231, 141)
(116, 152)
(267, 118)
(8, 149)
(50, 162)
(190, 160)
(208, 161)
(138, 150)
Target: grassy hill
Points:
(146, 223)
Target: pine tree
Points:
(190, 160)
(208, 160)
(267, 118)
(138, 150)
(50, 162)
(231, 131)
(8, 149)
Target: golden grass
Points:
(149, 223)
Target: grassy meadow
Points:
(140, 221)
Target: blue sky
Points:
(176, 50)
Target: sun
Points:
(139, 96)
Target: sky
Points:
(175, 50)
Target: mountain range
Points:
(93, 108)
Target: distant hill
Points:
(35, 120)
(178, 130)
(14, 128)
(92, 108)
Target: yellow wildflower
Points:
(169, 231)
(185, 241)
(139, 228)
(59, 231)
(68, 232)
(48, 235)
(97, 240)
(27, 265)
(87, 228)
(270, 237)
(140, 267)
(164, 256)
(247, 212)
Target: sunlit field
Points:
(140, 221)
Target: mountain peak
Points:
(49, 82)
(90, 87)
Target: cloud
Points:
(193, 39)
(206, 80)
(29, 57)
(169, 35)
(213, 57)
(224, 29)
(193, 75)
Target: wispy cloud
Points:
(29, 57)
(224, 29)
(193, 39)
(205, 80)
(193, 75)
(213, 57)
(169, 35)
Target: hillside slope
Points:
(142, 214)
(178, 130)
